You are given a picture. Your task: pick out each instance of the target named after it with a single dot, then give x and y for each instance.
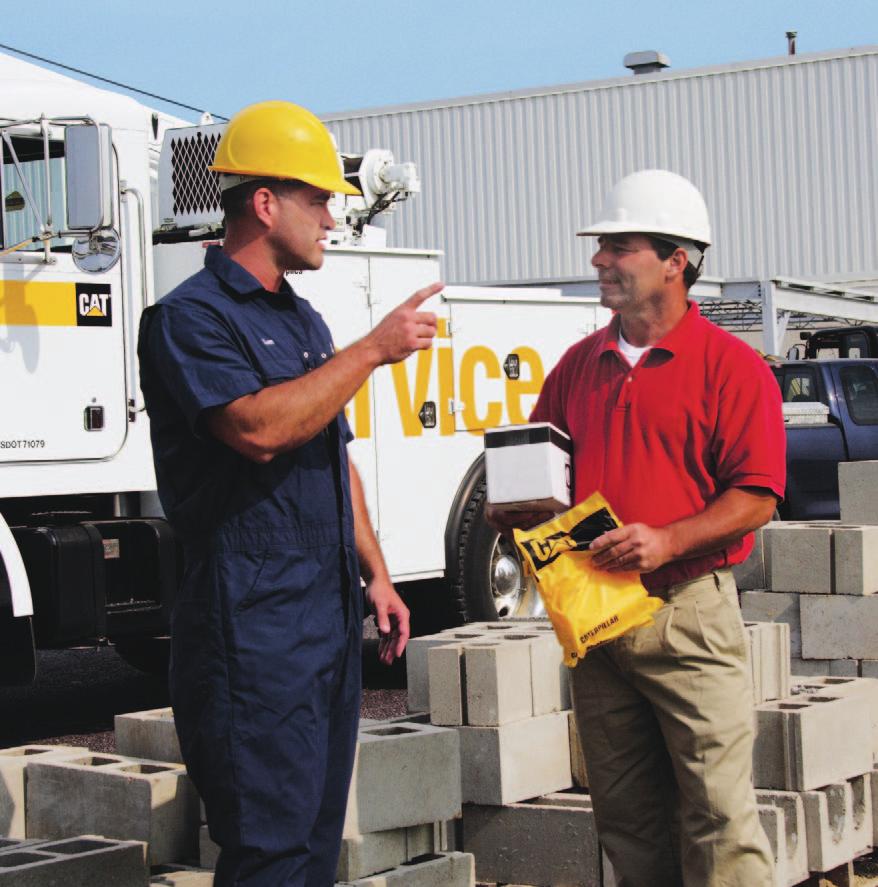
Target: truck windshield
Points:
(18, 221)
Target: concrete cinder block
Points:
(363, 855)
(498, 682)
(447, 683)
(416, 665)
(801, 558)
(550, 678)
(839, 626)
(751, 574)
(873, 793)
(769, 651)
(795, 838)
(180, 876)
(13, 781)
(421, 840)
(772, 820)
(829, 820)
(806, 668)
(856, 560)
(861, 790)
(437, 870)
(149, 735)
(857, 482)
(533, 844)
(808, 741)
(208, 851)
(118, 797)
(869, 668)
(571, 798)
(521, 760)
(578, 770)
(80, 861)
(424, 762)
(768, 606)
(863, 689)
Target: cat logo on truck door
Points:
(94, 305)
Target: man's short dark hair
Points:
(664, 249)
(234, 201)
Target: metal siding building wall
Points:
(784, 151)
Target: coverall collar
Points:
(236, 276)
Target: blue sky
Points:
(344, 56)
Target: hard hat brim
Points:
(628, 228)
(337, 185)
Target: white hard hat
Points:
(654, 201)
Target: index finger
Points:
(422, 295)
(607, 540)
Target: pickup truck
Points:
(846, 431)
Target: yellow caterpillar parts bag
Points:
(586, 606)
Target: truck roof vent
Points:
(646, 62)
(189, 192)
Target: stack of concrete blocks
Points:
(820, 578)
(81, 861)
(816, 749)
(404, 789)
(505, 689)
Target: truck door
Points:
(415, 463)
(65, 394)
(505, 341)
(858, 383)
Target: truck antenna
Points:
(151, 95)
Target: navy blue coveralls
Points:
(266, 632)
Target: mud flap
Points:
(18, 664)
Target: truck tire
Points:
(149, 655)
(489, 582)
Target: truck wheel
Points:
(149, 655)
(490, 581)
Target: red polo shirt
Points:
(700, 413)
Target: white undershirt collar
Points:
(630, 352)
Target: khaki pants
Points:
(665, 716)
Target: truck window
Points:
(855, 345)
(860, 388)
(800, 386)
(18, 222)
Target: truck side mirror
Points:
(89, 151)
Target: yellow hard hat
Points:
(280, 140)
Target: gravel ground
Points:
(77, 693)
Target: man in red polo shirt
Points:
(679, 425)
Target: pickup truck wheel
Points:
(149, 655)
(490, 580)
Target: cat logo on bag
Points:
(544, 551)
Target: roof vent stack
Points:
(647, 62)
(791, 42)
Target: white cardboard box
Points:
(528, 467)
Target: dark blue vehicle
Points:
(849, 388)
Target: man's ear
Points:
(677, 262)
(264, 205)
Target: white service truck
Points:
(106, 205)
